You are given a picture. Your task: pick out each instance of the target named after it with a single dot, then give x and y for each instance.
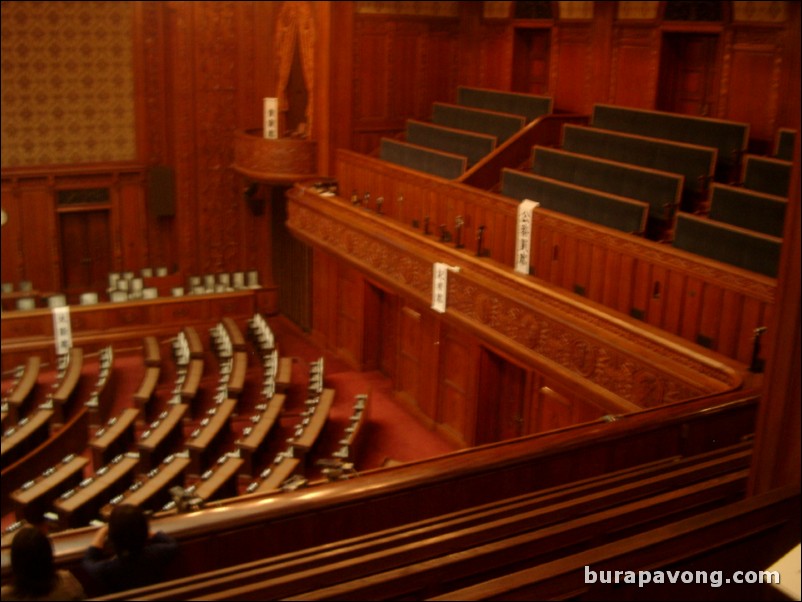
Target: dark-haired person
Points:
(140, 558)
(33, 573)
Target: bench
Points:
(748, 209)
(115, 438)
(695, 163)
(729, 244)
(251, 443)
(784, 144)
(163, 437)
(236, 377)
(662, 190)
(151, 492)
(33, 499)
(729, 138)
(77, 507)
(501, 125)
(192, 378)
(204, 443)
(608, 210)
(421, 158)
(471, 145)
(529, 106)
(764, 174)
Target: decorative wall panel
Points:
(68, 83)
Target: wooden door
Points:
(687, 82)
(85, 250)
(530, 69)
(501, 399)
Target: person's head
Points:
(128, 529)
(32, 562)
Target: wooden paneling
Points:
(754, 62)
(573, 72)
(635, 62)
(459, 368)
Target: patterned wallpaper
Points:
(67, 83)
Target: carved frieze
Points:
(550, 327)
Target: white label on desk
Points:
(62, 329)
(440, 285)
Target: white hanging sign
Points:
(440, 285)
(62, 329)
(270, 128)
(523, 235)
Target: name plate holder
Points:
(523, 235)
(440, 285)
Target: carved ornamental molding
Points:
(550, 331)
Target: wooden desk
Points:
(222, 483)
(302, 444)
(251, 445)
(115, 439)
(235, 334)
(26, 437)
(24, 387)
(239, 368)
(152, 352)
(203, 448)
(83, 505)
(146, 389)
(64, 392)
(194, 342)
(31, 502)
(278, 474)
(284, 374)
(154, 492)
(192, 380)
(164, 439)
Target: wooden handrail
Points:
(425, 488)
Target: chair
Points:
(89, 298)
(239, 280)
(147, 272)
(208, 282)
(177, 291)
(26, 286)
(253, 279)
(118, 296)
(58, 300)
(161, 271)
(26, 303)
(8, 287)
(150, 292)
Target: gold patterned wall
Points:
(67, 83)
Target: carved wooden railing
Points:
(703, 301)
